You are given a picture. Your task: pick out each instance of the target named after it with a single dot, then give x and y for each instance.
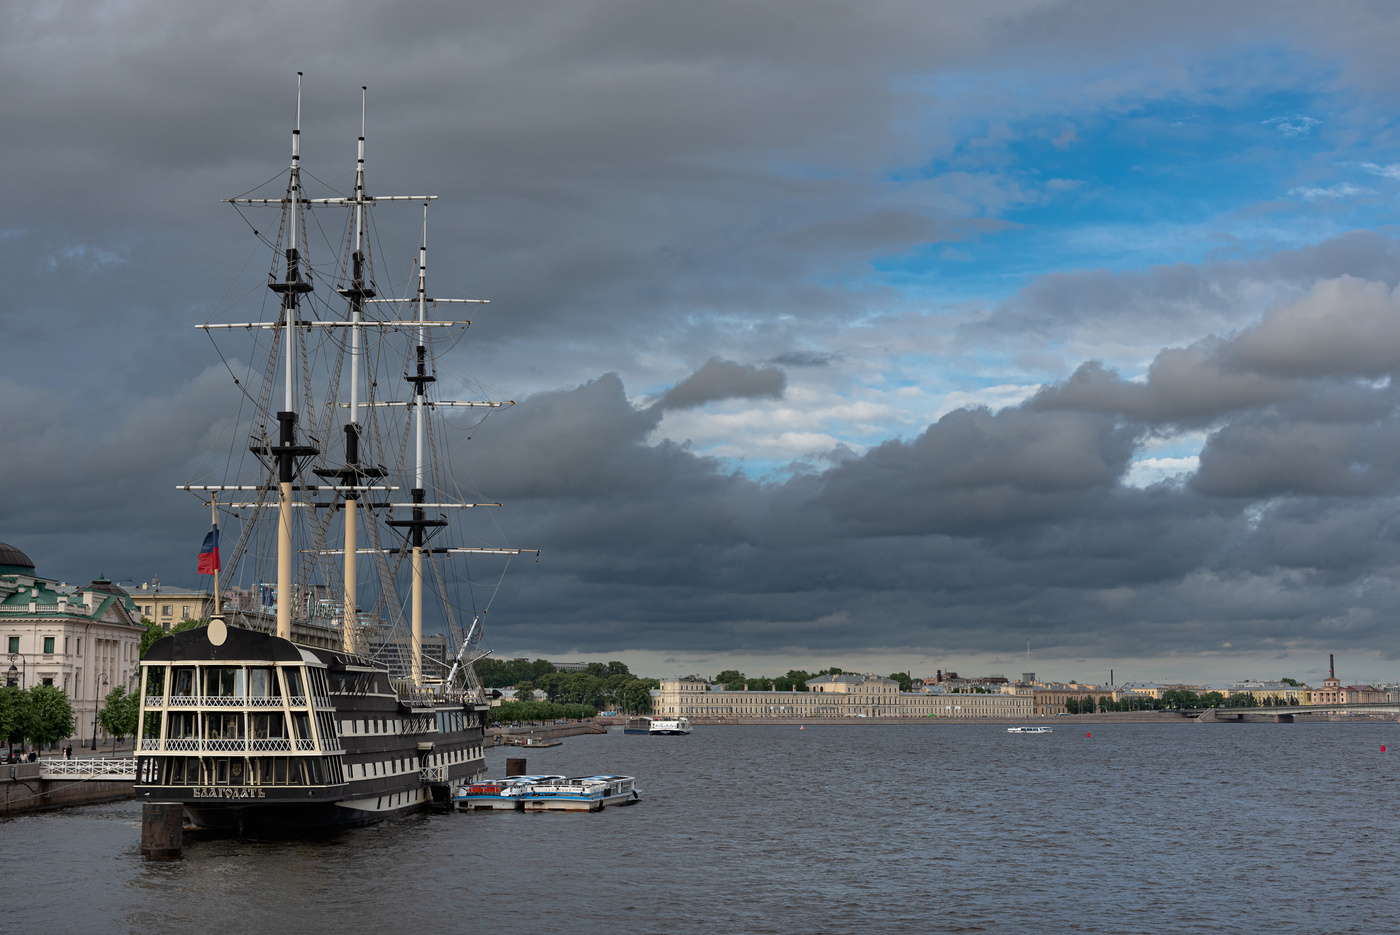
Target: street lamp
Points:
(14, 677)
(96, 709)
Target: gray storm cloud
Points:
(632, 183)
(724, 379)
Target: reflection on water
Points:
(930, 828)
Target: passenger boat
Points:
(1030, 730)
(534, 742)
(497, 794)
(637, 725)
(586, 794)
(669, 725)
(314, 711)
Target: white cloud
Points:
(1343, 190)
(1295, 125)
(1391, 171)
(1149, 471)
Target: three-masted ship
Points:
(266, 729)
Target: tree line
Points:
(539, 711)
(795, 681)
(41, 716)
(1173, 700)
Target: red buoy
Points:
(1087, 734)
(1382, 748)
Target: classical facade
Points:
(1050, 697)
(1334, 692)
(84, 639)
(848, 695)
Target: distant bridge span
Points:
(1281, 712)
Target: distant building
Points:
(396, 653)
(85, 640)
(1334, 692)
(846, 695)
(1050, 697)
(570, 666)
(251, 608)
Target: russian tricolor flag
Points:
(209, 553)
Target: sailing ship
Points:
(283, 729)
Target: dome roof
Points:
(9, 555)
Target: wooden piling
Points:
(162, 829)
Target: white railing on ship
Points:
(263, 745)
(432, 774)
(224, 701)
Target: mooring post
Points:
(162, 829)
(515, 766)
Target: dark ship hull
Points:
(261, 736)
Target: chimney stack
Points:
(1331, 666)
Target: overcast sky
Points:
(884, 335)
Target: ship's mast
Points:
(291, 288)
(420, 379)
(357, 294)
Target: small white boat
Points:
(497, 794)
(1030, 730)
(586, 794)
(669, 725)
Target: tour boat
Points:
(586, 794)
(637, 725)
(318, 708)
(669, 725)
(497, 794)
(1030, 730)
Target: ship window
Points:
(293, 683)
(225, 682)
(155, 681)
(303, 725)
(236, 769)
(262, 683)
(182, 726)
(183, 686)
(268, 727)
(223, 726)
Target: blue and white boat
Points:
(1030, 730)
(497, 794)
(585, 794)
(637, 725)
(669, 725)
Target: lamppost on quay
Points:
(96, 709)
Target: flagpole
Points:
(214, 519)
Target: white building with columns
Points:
(83, 639)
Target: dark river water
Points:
(1218, 828)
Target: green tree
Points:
(635, 697)
(733, 679)
(12, 704)
(525, 691)
(905, 680)
(799, 678)
(48, 717)
(154, 631)
(120, 713)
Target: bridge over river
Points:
(1284, 714)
